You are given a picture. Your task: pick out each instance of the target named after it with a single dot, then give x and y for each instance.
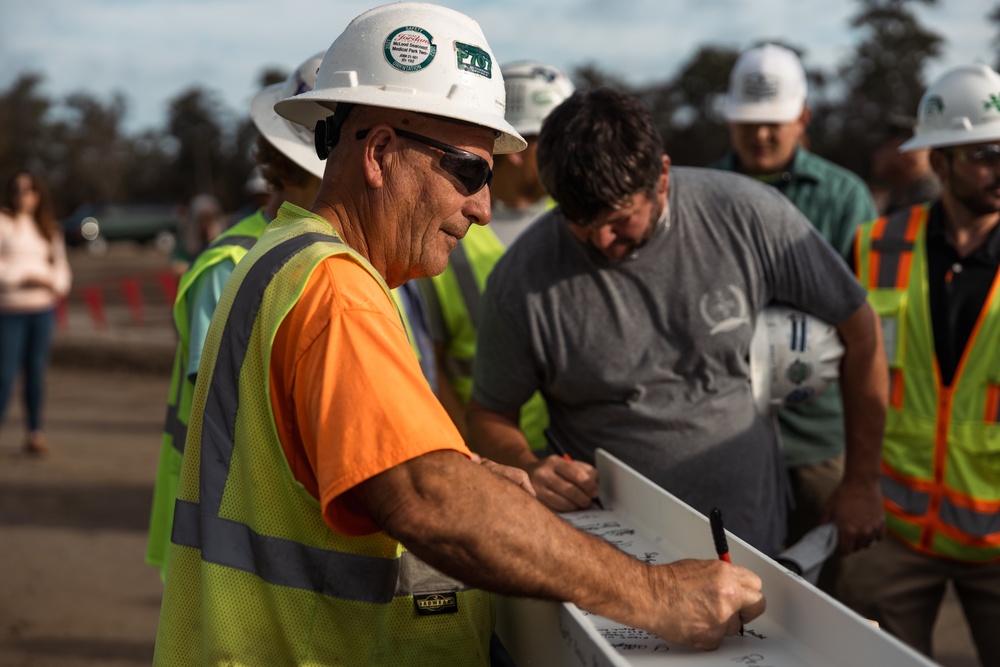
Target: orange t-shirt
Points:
(348, 396)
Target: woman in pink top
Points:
(34, 275)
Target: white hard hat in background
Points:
(793, 358)
(533, 91)
(256, 184)
(295, 141)
(766, 85)
(414, 56)
(962, 106)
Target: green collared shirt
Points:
(835, 201)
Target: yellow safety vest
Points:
(231, 245)
(458, 290)
(255, 576)
(941, 450)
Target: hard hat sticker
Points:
(409, 48)
(473, 59)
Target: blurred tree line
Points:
(80, 146)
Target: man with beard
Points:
(631, 308)
(931, 274)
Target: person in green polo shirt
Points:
(767, 115)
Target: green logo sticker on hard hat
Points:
(933, 105)
(409, 49)
(474, 59)
(798, 372)
(992, 103)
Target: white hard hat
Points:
(793, 358)
(766, 85)
(962, 106)
(295, 141)
(414, 56)
(533, 90)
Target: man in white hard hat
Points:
(931, 272)
(631, 308)
(767, 115)
(287, 160)
(518, 197)
(328, 510)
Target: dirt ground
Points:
(74, 590)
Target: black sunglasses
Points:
(472, 171)
(988, 154)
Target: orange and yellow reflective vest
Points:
(941, 450)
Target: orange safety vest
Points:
(941, 450)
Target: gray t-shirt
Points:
(648, 358)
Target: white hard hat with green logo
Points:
(962, 106)
(794, 357)
(413, 56)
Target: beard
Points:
(979, 201)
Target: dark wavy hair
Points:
(44, 216)
(276, 168)
(597, 149)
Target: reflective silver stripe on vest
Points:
(225, 542)
(970, 522)
(908, 500)
(174, 427)
(891, 246)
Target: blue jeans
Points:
(25, 342)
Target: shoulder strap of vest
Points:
(246, 242)
(466, 279)
(892, 241)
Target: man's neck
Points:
(966, 231)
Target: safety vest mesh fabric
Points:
(458, 291)
(232, 244)
(941, 450)
(255, 576)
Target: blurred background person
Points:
(34, 275)
(202, 224)
(901, 180)
(767, 116)
(287, 162)
(258, 193)
(517, 197)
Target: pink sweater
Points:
(34, 272)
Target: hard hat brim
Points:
(281, 135)
(310, 107)
(982, 133)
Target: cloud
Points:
(151, 50)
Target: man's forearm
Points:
(864, 389)
(497, 436)
(486, 531)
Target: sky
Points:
(152, 50)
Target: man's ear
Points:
(374, 155)
(664, 181)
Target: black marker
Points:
(721, 543)
(554, 444)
